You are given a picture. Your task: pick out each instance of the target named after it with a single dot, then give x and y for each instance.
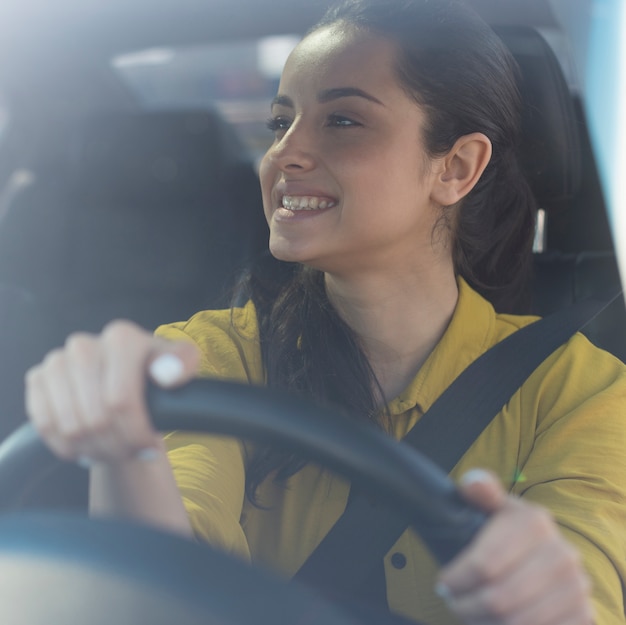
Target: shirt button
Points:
(398, 560)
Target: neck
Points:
(399, 319)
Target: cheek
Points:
(266, 178)
(264, 174)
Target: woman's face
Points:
(347, 183)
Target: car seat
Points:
(147, 216)
(156, 212)
(577, 259)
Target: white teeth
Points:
(296, 203)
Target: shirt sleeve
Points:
(210, 469)
(210, 474)
(575, 465)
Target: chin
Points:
(290, 251)
(282, 249)
(280, 253)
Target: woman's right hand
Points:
(87, 399)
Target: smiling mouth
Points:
(306, 202)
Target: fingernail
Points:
(474, 476)
(147, 455)
(167, 369)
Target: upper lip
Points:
(293, 189)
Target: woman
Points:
(393, 181)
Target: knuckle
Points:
(53, 360)
(120, 330)
(79, 344)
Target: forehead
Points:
(336, 56)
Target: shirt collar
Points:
(468, 335)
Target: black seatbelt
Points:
(365, 532)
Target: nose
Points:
(294, 150)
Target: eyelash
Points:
(277, 123)
(339, 120)
(274, 124)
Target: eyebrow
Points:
(345, 92)
(328, 95)
(282, 100)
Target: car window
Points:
(4, 116)
(238, 78)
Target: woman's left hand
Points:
(519, 570)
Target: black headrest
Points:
(154, 215)
(165, 203)
(149, 158)
(551, 152)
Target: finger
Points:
(545, 572)
(569, 604)
(100, 439)
(84, 371)
(560, 608)
(125, 356)
(35, 400)
(508, 537)
(42, 415)
(565, 604)
(173, 363)
(60, 396)
(482, 489)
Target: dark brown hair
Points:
(455, 67)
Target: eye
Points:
(278, 123)
(341, 121)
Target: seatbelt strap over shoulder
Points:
(365, 533)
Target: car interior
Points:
(111, 209)
(150, 214)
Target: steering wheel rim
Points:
(395, 472)
(387, 469)
(62, 568)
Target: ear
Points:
(461, 168)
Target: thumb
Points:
(173, 363)
(482, 489)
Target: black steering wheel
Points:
(145, 571)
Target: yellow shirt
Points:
(560, 441)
